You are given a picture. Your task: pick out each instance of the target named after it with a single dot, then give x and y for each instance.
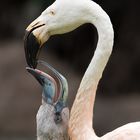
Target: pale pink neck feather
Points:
(80, 124)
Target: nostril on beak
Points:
(35, 24)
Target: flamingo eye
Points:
(52, 12)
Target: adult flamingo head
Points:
(61, 17)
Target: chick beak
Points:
(32, 45)
(37, 74)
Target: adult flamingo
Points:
(53, 115)
(64, 16)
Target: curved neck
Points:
(82, 110)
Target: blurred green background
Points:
(118, 94)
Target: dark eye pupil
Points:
(52, 12)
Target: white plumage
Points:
(64, 16)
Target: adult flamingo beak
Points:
(33, 41)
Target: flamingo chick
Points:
(64, 16)
(53, 115)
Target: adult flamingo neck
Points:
(80, 124)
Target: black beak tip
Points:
(31, 47)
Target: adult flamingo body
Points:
(64, 16)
